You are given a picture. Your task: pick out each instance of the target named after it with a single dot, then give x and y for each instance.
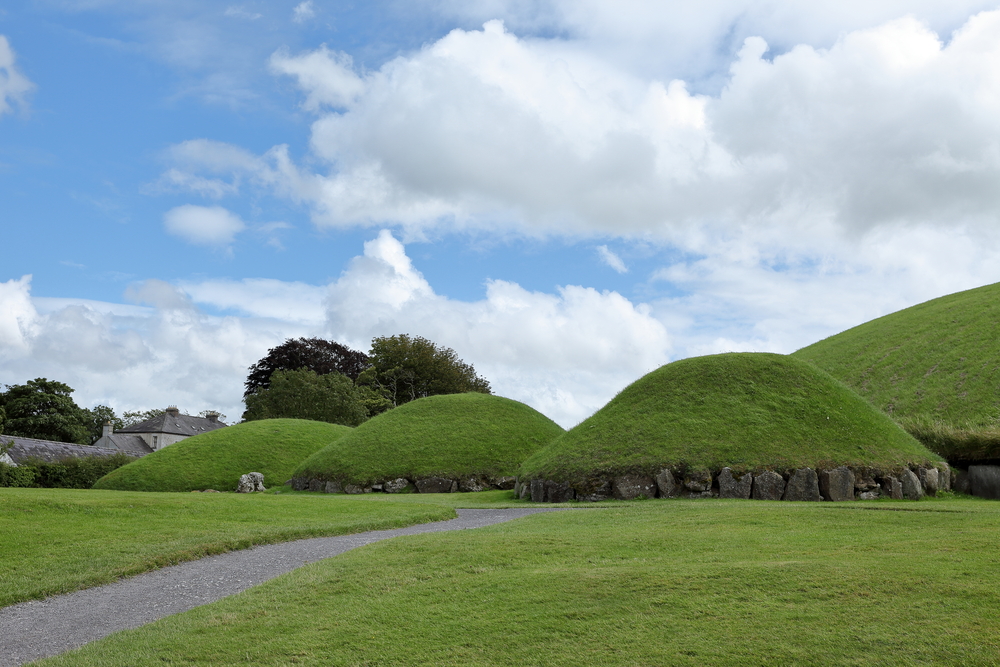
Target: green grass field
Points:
(660, 582)
(452, 436)
(59, 540)
(215, 460)
(743, 410)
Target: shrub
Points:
(67, 473)
(17, 475)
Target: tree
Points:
(404, 369)
(315, 354)
(304, 394)
(133, 417)
(98, 416)
(45, 410)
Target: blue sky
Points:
(569, 194)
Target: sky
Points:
(568, 193)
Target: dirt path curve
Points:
(37, 629)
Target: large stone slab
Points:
(984, 481)
(316, 485)
(912, 489)
(929, 480)
(837, 484)
(398, 485)
(892, 487)
(558, 492)
(300, 483)
(333, 487)
(628, 487)
(803, 484)
(503, 483)
(251, 482)
(472, 485)
(436, 485)
(537, 490)
(666, 485)
(768, 485)
(731, 486)
(944, 477)
(595, 492)
(356, 489)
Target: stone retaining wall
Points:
(836, 484)
(404, 485)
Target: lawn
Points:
(60, 540)
(659, 582)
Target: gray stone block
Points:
(892, 487)
(300, 483)
(837, 484)
(356, 489)
(929, 480)
(595, 492)
(503, 483)
(768, 485)
(666, 485)
(333, 487)
(912, 489)
(472, 485)
(864, 479)
(251, 483)
(436, 485)
(537, 490)
(698, 481)
(733, 487)
(628, 487)
(944, 477)
(984, 481)
(803, 484)
(558, 492)
(397, 485)
(316, 485)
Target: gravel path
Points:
(37, 629)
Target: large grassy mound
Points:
(215, 460)
(455, 436)
(746, 411)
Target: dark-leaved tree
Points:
(315, 354)
(303, 394)
(44, 409)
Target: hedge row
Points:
(67, 473)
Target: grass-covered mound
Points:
(215, 460)
(747, 411)
(454, 436)
(934, 367)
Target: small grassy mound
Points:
(215, 460)
(454, 436)
(934, 367)
(745, 410)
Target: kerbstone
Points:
(628, 487)
(803, 484)
(892, 487)
(558, 492)
(472, 485)
(436, 485)
(397, 485)
(250, 483)
(333, 487)
(666, 485)
(731, 486)
(595, 493)
(537, 490)
(912, 490)
(356, 489)
(503, 483)
(929, 480)
(837, 484)
(768, 485)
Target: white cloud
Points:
(609, 257)
(303, 11)
(326, 76)
(17, 314)
(240, 12)
(14, 86)
(203, 225)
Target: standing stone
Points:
(666, 485)
(397, 485)
(984, 481)
(911, 485)
(698, 481)
(628, 487)
(803, 484)
(471, 485)
(595, 493)
(732, 487)
(768, 485)
(837, 484)
(929, 480)
(250, 482)
(436, 485)
(558, 492)
(333, 487)
(892, 487)
(538, 490)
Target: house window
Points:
(154, 442)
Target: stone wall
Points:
(405, 485)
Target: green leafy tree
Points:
(405, 368)
(133, 417)
(304, 394)
(316, 354)
(98, 416)
(44, 409)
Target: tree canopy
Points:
(44, 409)
(405, 368)
(305, 394)
(315, 354)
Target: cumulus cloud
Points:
(327, 77)
(303, 12)
(203, 225)
(14, 86)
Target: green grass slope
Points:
(937, 361)
(453, 436)
(743, 410)
(215, 460)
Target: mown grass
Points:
(743, 410)
(215, 460)
(452, 436)
(59, 540)
(938, 361)
(661, 582)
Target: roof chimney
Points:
(173, 411)
(107, 430)
(212, 417)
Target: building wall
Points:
(158, 441)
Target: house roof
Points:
(174, 424)
(125, 442)
(49, 450)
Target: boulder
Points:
(472, 485)
(984, 481)
(628, 487)
(300, 483)
(666, 485)
(333, 487)
(316, 485)
(698, 481)
(837, 484)
(356, 489)
(768, 485)
(929, 480)
(558, 492)
(595, 492)
(733, 487)
(503, 483)
(912, 490)
(803, 484)
(944, 477)
(868, 495)
(250, 482)
(436, 485)
(892, 487)
(397, 485)
(538, 490)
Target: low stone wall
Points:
(836, 484)
(404, 485)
